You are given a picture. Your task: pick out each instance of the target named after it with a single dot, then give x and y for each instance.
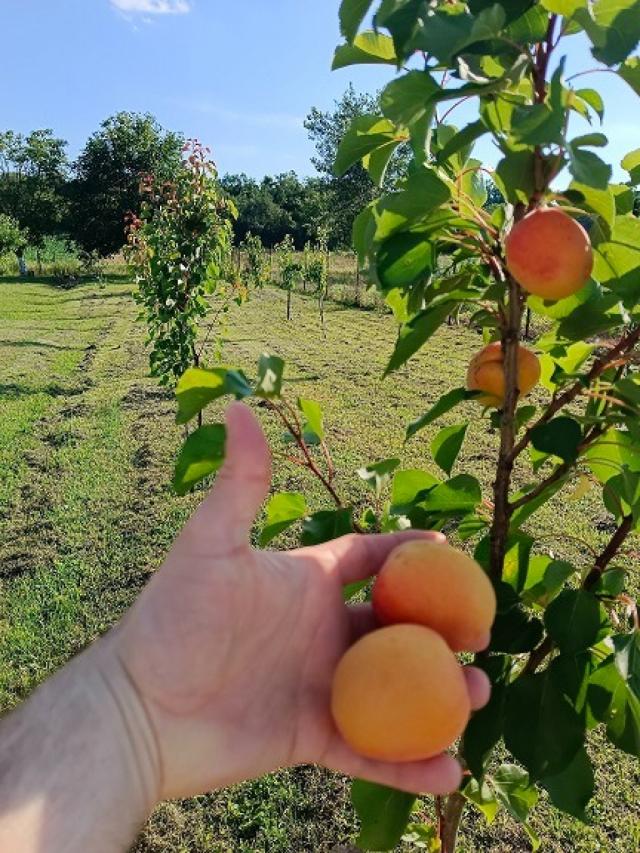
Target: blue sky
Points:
(239, 75)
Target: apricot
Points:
(439, 587)
(549, 254)
(399, 695)
(486, 373)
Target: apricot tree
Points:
(564, 653)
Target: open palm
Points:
(232, 650)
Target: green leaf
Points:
(610, 453)
(624, 198)
(612, 583)
(515, 632)
(613, 27)
(571, 790)
(600, 202)
(573, 620)
(514, 791)
(383, 813)
(326, 525)
(201, 455)
(587, 168)
(352, 14)
(367, 48)
(595, 140)
(415, 203)
(630, 72)
(404, 259)
(377, 476)
(377, 162)
(593, 99)
(483, 798)
(560, 436)
(365, 134)
(563, 7)
(283, 510)
(417, 332)
(410, 98)
(407, 486)
(447, 402)
(484, 729)
(462, 139)
(614, 693)
(545, 578)
(447, 444)
(197, 388)
(631, 162)
(444, 35)
(270, 370)
(542, 730)
(460, 494)
(313, 413)
(515, 176)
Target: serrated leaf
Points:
(417, 332)
(404, 259)
(573, 620)
(631, 162)
(365, 134)
(352, 14)
(484, 729)
(447, 445)
(614, 693)
(542, 731)
(197, 388)
(367, 48)
(270, 370)
(201, 455)
(447, 402)
(587, 168)
(326, 525)
(313, 414)
(282, 510)
(383, 813)
(630, 72)
(407, 486)
(461, 494)
(571, 790)
(561, 436)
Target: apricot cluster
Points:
(399, 693)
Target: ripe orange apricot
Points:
(435, 585)
(399, 695)
(549, 254)
(486, 373)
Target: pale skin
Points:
(220, 672)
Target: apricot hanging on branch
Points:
(549, 254)
(486, 374)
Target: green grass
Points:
(87, 442)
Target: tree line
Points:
(43, 193)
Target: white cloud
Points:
(153, 7)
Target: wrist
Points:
(81, 764)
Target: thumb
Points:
(228, 512)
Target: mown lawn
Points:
(87, 442)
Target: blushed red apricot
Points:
(549, 254)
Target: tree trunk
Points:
(451, 823)
(288, 304)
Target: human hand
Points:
(232, 651)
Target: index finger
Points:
(356, 557)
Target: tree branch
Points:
(624, 345)
(614, 545)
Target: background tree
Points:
(107, 177)
(346, 195)
(276, 206)
(12, 237)
(33, 172)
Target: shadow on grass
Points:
(45, 344)
(15, 390)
